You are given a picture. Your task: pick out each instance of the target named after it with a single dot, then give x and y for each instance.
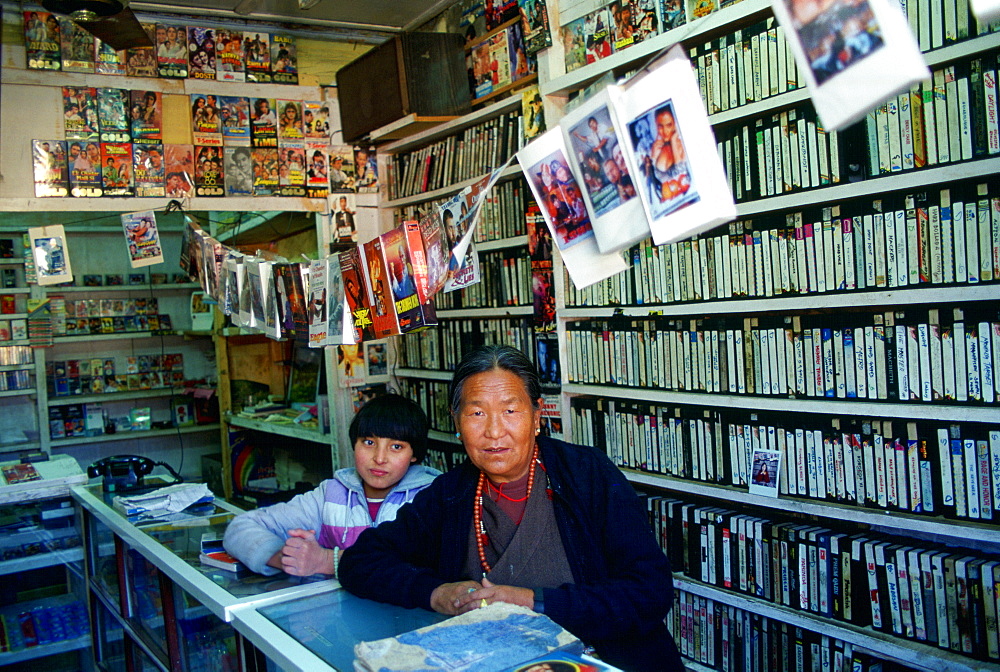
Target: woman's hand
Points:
(303, 556)
(447, 598)
(469, 595)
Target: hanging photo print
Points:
(670, 150)
(598, 163)
(142, 238)
(546, 167)
(48, 248)
(854, 54)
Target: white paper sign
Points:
(854, 54)
(48, 247)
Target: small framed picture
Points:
(137, 278)
(93, 281)
(51, 256)
(764, 470)
(114, 280)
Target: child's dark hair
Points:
(392, 416)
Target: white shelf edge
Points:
(12, 261)
(731, 493)
(291, 431)
(509, 171)
(501, 243)
(47, 559)
(114, 396)
(909, 652)
(796, 302)
(426, 374)
(13, 316)
(6, 448)
(101, 337)
(852, 407)
(19, 393)
(873, 186)
(449, 127)
(134, 435)
(715, 21)
(17, 367)
(485, 313)
(15, 290)
(66, 645)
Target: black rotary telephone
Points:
(125, 472)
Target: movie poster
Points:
(238, 171)
(116, 168)
(265, 171)
(291, 171)
(141, 61)
(342, 174)
(284, 60)
(42, 41)
(85, 169)
(289, 122)
(645, 19)
(206, 124)
(257, 50)
(316, 120)
(201, 52)
(229, 58)
(235, 117)
(149, 171)
(80, 113)
(208, 172)
(142, 238)
(51, 257)
(48, 158)
(535, 17)
(366, 166)
(180, 170)
(263, 123)
(78, 48)
(146, 112)
(109, 60)
(344, 227)
(171, 51)
(113, 115)
(317, 170)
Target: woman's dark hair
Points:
(391, 416)
(490, 357)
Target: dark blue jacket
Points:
(622, 586)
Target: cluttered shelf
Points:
(19, 393)
(66, 610)
(139, 435)
(167, 287)
(285, 427)
(114, 396)
(510, 171)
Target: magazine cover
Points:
(209, 179)
(535, 17)
(367, 170)
(316, 120)
(355, 294)
(201, 52)
(257, 51)
(291, 171)
(180, 170)
(317, 171)
(289, 122)
(50, 169)
(141, 61)
(854, 55)
(598, 164)
(498, 12)
(418, 260)
(50, 254)
(597, 35)
(172, 51)
(284, 60)
(672, 13)
(42, 40)
(351, 365)
(147, 116)
(206, 123)
(402, 280)
(574, 44)
(319, 322)
(342, 174)
(109, 60)
(344, 227)
(456, 217)
(290, 299)
(379, 292)
(80, 113)
(85, 169)
(116, 168)
(78, 48)
(149, 171)
(142, 238)
(238, 171)
(263, 123)
(645, 20)
(670, 150)
(265, 171)
(112, 115)
(546, 168)
(532, 113)
(622, 26)
(229, 57)
(234, 113)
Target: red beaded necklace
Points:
(477, 511)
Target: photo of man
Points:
(594, 144)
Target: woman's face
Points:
(498, 421)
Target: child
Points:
(306, 535)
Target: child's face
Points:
(381, 463)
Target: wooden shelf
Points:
(168, 287)
(853, 407)
(452, 127)
(409, 125)
(793, 303)
(507, 88)
(115, 396)
(133, 436)
(929, 525)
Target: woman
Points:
(526, 520)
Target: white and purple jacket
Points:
(336, 509)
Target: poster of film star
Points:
(670, 150)
(855, 54)
(598, 163)
(546, 168)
